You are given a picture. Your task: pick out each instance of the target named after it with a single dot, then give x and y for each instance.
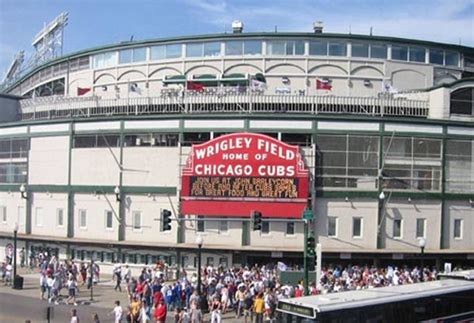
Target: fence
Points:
(64, 107)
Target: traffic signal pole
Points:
(305, 263)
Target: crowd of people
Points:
(247, 292)
(250, 293)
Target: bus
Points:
(447, 300)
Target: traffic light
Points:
(166, 220)
(257, 221)
(310, 246)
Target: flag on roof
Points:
(82, 90)
(323, 85)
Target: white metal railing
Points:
(65, 107)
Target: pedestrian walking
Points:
(117, 312)
(74, 317)
(118, 278)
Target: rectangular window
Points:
(420, 228)
(436, 56)
(223, 262)
(397, 228)
(139, 54)
(109, 218)
(200, 225)
(223, 226)
(39, 216)
(337, 49)
(290, 228)
(191, 138)
(400, 53)
(194, 50)
(234, 48)
(458, 228)
(105, 60)
(82, 219)
(378, 51)
(357, 227)
(360, 50)
(125, 56)
(295, 47)
(3, 214)
(210, 261)
(459, 157)
(157, 53)
(452, 59)
(417, 54)
(212, 49)
(276, 48)
(318, 48)
(252, 47)
(137, 220)
(85, 141)
(332, 226)
(347, 161)
(174, 51)
(60, 217)
(265, 227)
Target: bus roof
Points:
(462, 274)
(376, 296)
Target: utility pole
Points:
(309, 245)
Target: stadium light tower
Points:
(48, 43)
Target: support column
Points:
(70, 214)
(28, 213)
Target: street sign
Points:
(308, 215)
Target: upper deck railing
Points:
(78, 107)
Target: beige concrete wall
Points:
(94, 166)
(408, 212)
(49, 204)
(459, 210)
(48, 160)
(278, 233)
(150, 207)
(213, 238)
(439, 103)
(95, 206)
(345, 211)
(151, 166)
(15, 208)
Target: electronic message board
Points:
(236, 174)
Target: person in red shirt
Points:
(157, 297)
(298, 292)
(160, 312)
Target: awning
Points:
(234, 79)
(174, 79)
(206, 79)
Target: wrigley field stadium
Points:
(133, 152)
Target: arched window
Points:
(462, 101)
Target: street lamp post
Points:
(422, 244)
(15, 233)
(92, 278)
(199, 242)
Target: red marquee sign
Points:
(236, 174)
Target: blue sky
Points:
(100, 22)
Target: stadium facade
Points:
(98, 140)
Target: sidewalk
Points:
(104, 295)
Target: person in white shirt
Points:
(117, 312)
